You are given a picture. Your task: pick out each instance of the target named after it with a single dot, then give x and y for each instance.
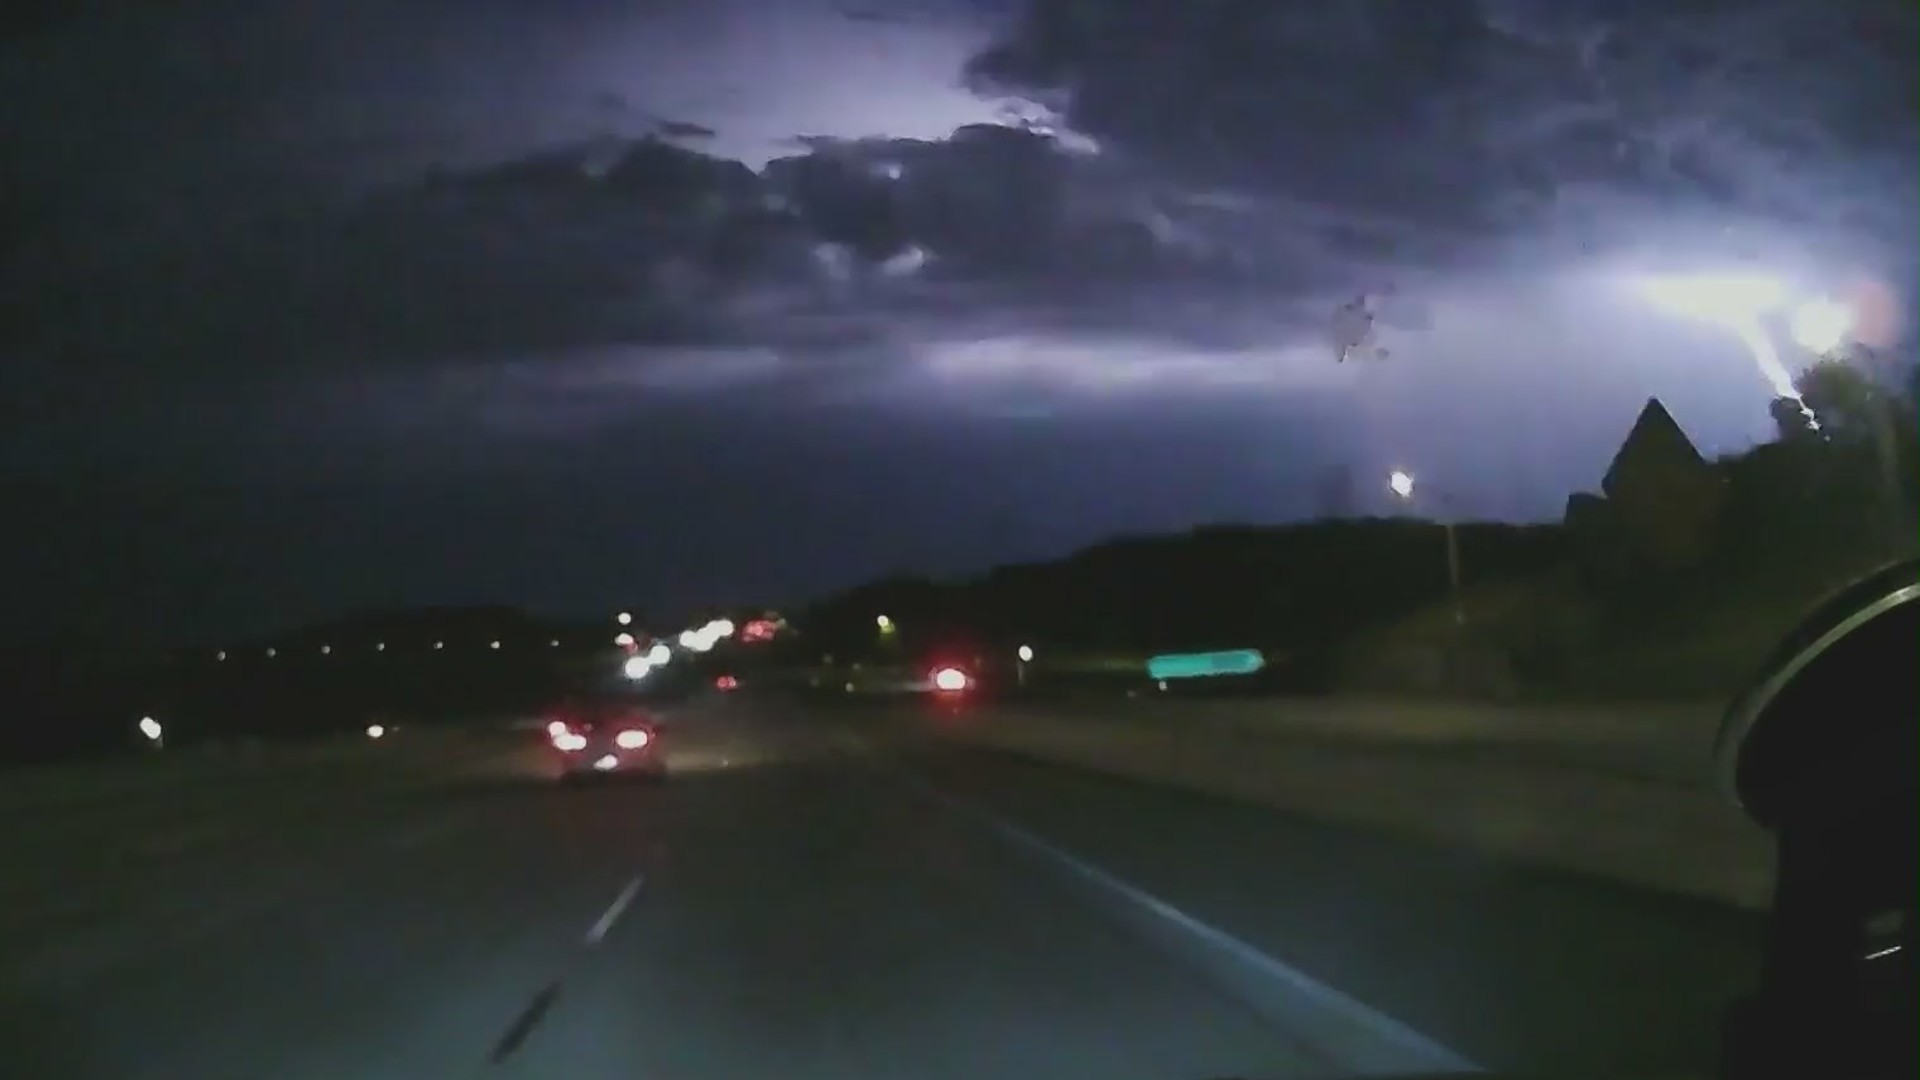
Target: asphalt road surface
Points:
(815, 896)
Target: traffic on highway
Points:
(955, 539)
(834, 891)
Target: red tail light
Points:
(632, 739)
(726, 682)
(950, 679)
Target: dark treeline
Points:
(1626, 595)
(1642, 589)
(1295, 589)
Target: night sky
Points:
(579, 304)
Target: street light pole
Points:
(1453, 574)
(1401, 483)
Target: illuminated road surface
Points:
(815, 898)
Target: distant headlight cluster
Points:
(706, 637)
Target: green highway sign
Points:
(1204, 665)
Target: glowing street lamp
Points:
(625, 618)
(885, 624)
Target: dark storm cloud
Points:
(1458, 117)
(246, 253)
(685, 129)
(646, 243)
(1239, 170)
(1212, 178)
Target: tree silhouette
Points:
(1847, 404)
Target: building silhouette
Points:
(1662, 500)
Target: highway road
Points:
(815, 895)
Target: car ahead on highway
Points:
(594, 738)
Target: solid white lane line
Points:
(599, 929)
(1404, 1046)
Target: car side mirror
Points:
(1841, 683)
(1821, 750)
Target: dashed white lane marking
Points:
(535, 1012)
(529, 1018)
(598, 931)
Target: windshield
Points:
(1151, 539)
